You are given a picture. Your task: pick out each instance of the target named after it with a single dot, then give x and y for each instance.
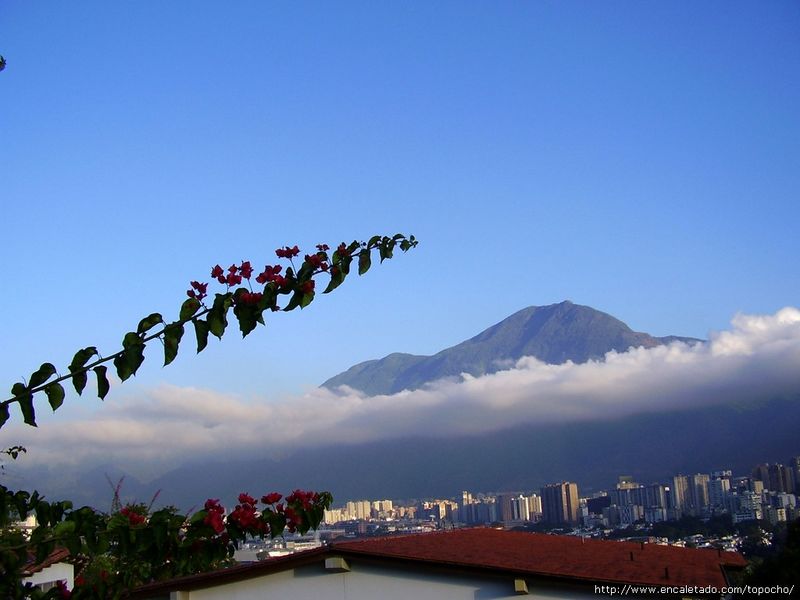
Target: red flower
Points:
(216, 272)
(323, 247)
(269, 274)
(306, 499)
(250, 298)
(246, 499)
(287, 252)
(307, 287)
(198, 291)
(342, 250)
(233, 279)
(214, 516)
(134, 518)
(292, 518)
(244, 515)
(246, 270)
(271, 498)
(317, 261)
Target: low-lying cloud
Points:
(758, 358)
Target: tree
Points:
(134, 545)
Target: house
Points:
(464, 564)
(46, 574)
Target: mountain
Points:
(554, 334)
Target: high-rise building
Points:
(504, 510)
(680, 492)
(718, 492)
(520, 510)
(560, 503)
(776, 478)
(698, 493)
(535, 507)
(655, 496)
(794, 464)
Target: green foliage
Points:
(134, 546)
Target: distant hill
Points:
(554, 334)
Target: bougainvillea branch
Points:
(295, 286)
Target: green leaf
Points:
(336, 280)
(294, 301)
(344, 264)
(172, 338)
(306, 299)
(79, 381)
(131, 340)
(201, 333)
(129, 360)
(149, 322)
(373, 241)
(364, 262)
(217, 316)
(55, 395)
(64, 529)
(267, 300)
(45, 372)
(76, 367)
(188, 308)
(247, 316)
(3, 414)
(25, 403)
(82, 357)
(102, 381)
(386, 248)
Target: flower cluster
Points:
(134, 517)
(250, 298)
(271, 274)
(198, 290)
(287, 252)
(303, 498)
(317, 261)
(271, 498)
(342, 250)
(234, 275)
(214, 515)
(245, 515)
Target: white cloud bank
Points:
(759, 357)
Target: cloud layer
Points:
(758, 358)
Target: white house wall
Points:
(57, 572)
(367, 582)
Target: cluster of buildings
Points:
(770, 492)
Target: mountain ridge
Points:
(554, 334)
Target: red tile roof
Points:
(555, 556)
(56, 556)
(497, 552)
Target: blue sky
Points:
(642, 158)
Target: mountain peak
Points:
(554, 334)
